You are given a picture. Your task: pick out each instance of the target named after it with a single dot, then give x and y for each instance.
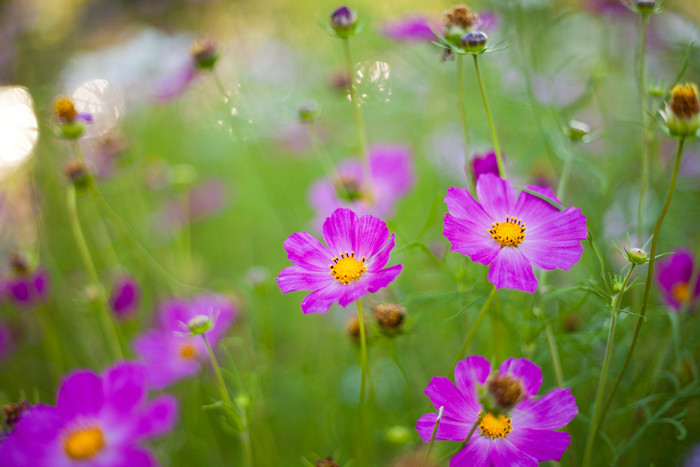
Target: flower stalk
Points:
(479, 318)
(463, 114)
(648, 131)
(496, 146)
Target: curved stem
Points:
(463, 115)
(106, 320)
(359, 122)
(496, 147)
(650, 276)
(472, 331)
(593, 429)
(644, 182)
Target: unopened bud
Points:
(390, 316)
(327, 462)
(348, 188)
(307, 112)
(645, 6)
(576, 130)
(353, 328)
(474, 42)
(199, 325)
(344, 21)
(637, 256)
(19, 263)
(205, 53)
(77, 173)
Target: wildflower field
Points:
(277, 233)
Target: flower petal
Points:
(353, 291)
(496, 195)
(530, 208)
(468, 373)
(80, 394)
(461, 204)
(443, 393)
(125, 386)
(294, 278)
(551, 412)
(524, 370)
(510, 269)
(543, 445)
(505, 454)
(304, 250)
(159, 417)
(470, 239)
(339, 231)
(371, 235)
(556, 241)
(381, 279)
(448, 429)
(475, 453)
(320, 300)
(379, 260)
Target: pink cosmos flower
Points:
(391, 168)
(673, 277)
(26, 288)
(351, 265)
(484, 164)
(97, 421)
(168, 353)
(522, 435)
(414, 28)
(513, 234)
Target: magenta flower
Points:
(413, 28)
(168, 353)
(391, 168)
(673, 277)
(348, 268)
(125, 297)
(484, 164)
(27, 289)
(97, 421)
(522, 435)
(513, 234)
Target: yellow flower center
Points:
(346, 268)
(495, 426)
(680, 291)
(508, 233)
(188, 351)
(84, 443)
(65, 109)
(684, 101)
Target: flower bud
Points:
(617, 284)
(199, 325)
(656, 89)
(353, 328)
(327, 462)
(70, 123)
(344, 21)
(682, 112)
(205, 53)
(504, 391)
(474, 42)
(77, 173)
(20, 264)
(390, 316)
(348, 188)
(577, 131)
(307, 112)
(637, 256)
(645, 6)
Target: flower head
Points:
(513, 234)
(71, 124)
(97, 420)
(344, 20)
(682, 112)
(348, 267)
(205, 53)
(524, 434)
(674, 276)
(25, 286)
(391, 169)
(173, 351)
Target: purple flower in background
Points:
(484, 164)
(351, 265)
(523, 434)
(391, 168)
(24, 286)
(414, 28)
(673, 277)
(125, 297)
(513, 234)
(97, 421)
(168, 353)
(173, 86)
(614, 7)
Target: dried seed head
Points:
(77, 172)
(506, 391)
(11, 413)
(390, 316)
(19, 263)
(460, 16)
(684, 101)
(327, 462)
(353, 328)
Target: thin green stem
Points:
(472, 331)
(463, 115)
(363, 382)
(565, 173)
(496, 147)
(220, 85)
(466, 440)
(432, 437)
(644, 181)
(538, 310)
(650, 275)
(223, 390)
(359, 121)
(106, 320)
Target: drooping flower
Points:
(391, 169)
(523, 434)
(125, 297)
(673, 277)
(513, 234)
(168, 352)
(97, 421)
(350, 266)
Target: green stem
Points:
(565, 173)
(223, 390)
(644, 182)
(363, 382)
(106, 320)
(432, 437)
(496, 147)
(650, 276)
(52, 346)
(472, 331)
(549, 334)
(466, 440)
(593, 429)
(463, 115)
(359, 122)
